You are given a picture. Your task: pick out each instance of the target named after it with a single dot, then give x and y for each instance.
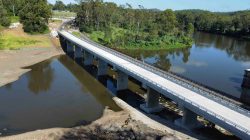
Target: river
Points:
(213, 60)
(55, 93)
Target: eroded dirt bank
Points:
(113, 125)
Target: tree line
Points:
(115, 25)
(230, 23)
(34, 14)
(60, 6)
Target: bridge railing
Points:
(187, 83)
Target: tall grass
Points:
(13, 42)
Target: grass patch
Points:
(63, 14)
(1, 28)
(14, 19)
(55, 21)
(11, 41)
(78, 34)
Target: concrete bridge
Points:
(192, 99)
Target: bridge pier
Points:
(114, 68)
(70, 48)
(78, 52)
(102, 68)
(122, 80)
(188, 120)
(246, 79)
(88, 58)
(152, 102)
(143, 85)
(63, 43)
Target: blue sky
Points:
(211, 5)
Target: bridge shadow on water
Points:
(135, 96)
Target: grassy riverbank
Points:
(12, 39)
(119, 38)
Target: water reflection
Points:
(55, 93)
(213, 60)
(42, 73)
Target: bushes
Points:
(35, 16)
(4, 19)
(35, 27)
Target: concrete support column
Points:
(122, 80)
(78, 52)
(88, 58)
(189, 119)
(70, 48)
(246, 79)
(114, 68)
(144, 86)
(63, 43)
(152, 101)
(102, 68)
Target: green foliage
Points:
(4, 19)
(233, 23)
(13, 41)
(14, 19)
(78, 34)
(124, 27)
(59, 5)
(35, 16)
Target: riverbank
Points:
(113, 125)
(12, 62)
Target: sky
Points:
(211, 5)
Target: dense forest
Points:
(125, 27)
(231, 23)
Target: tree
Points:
(190, 29)
(35, 16)
(59, 5)
(4, 20)
(167, 21)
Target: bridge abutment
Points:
(88, 58)
(152, 102)
(188, 120)
(102, 68)
(122, 80)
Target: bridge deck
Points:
(220, 111)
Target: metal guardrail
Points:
(183, 82)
